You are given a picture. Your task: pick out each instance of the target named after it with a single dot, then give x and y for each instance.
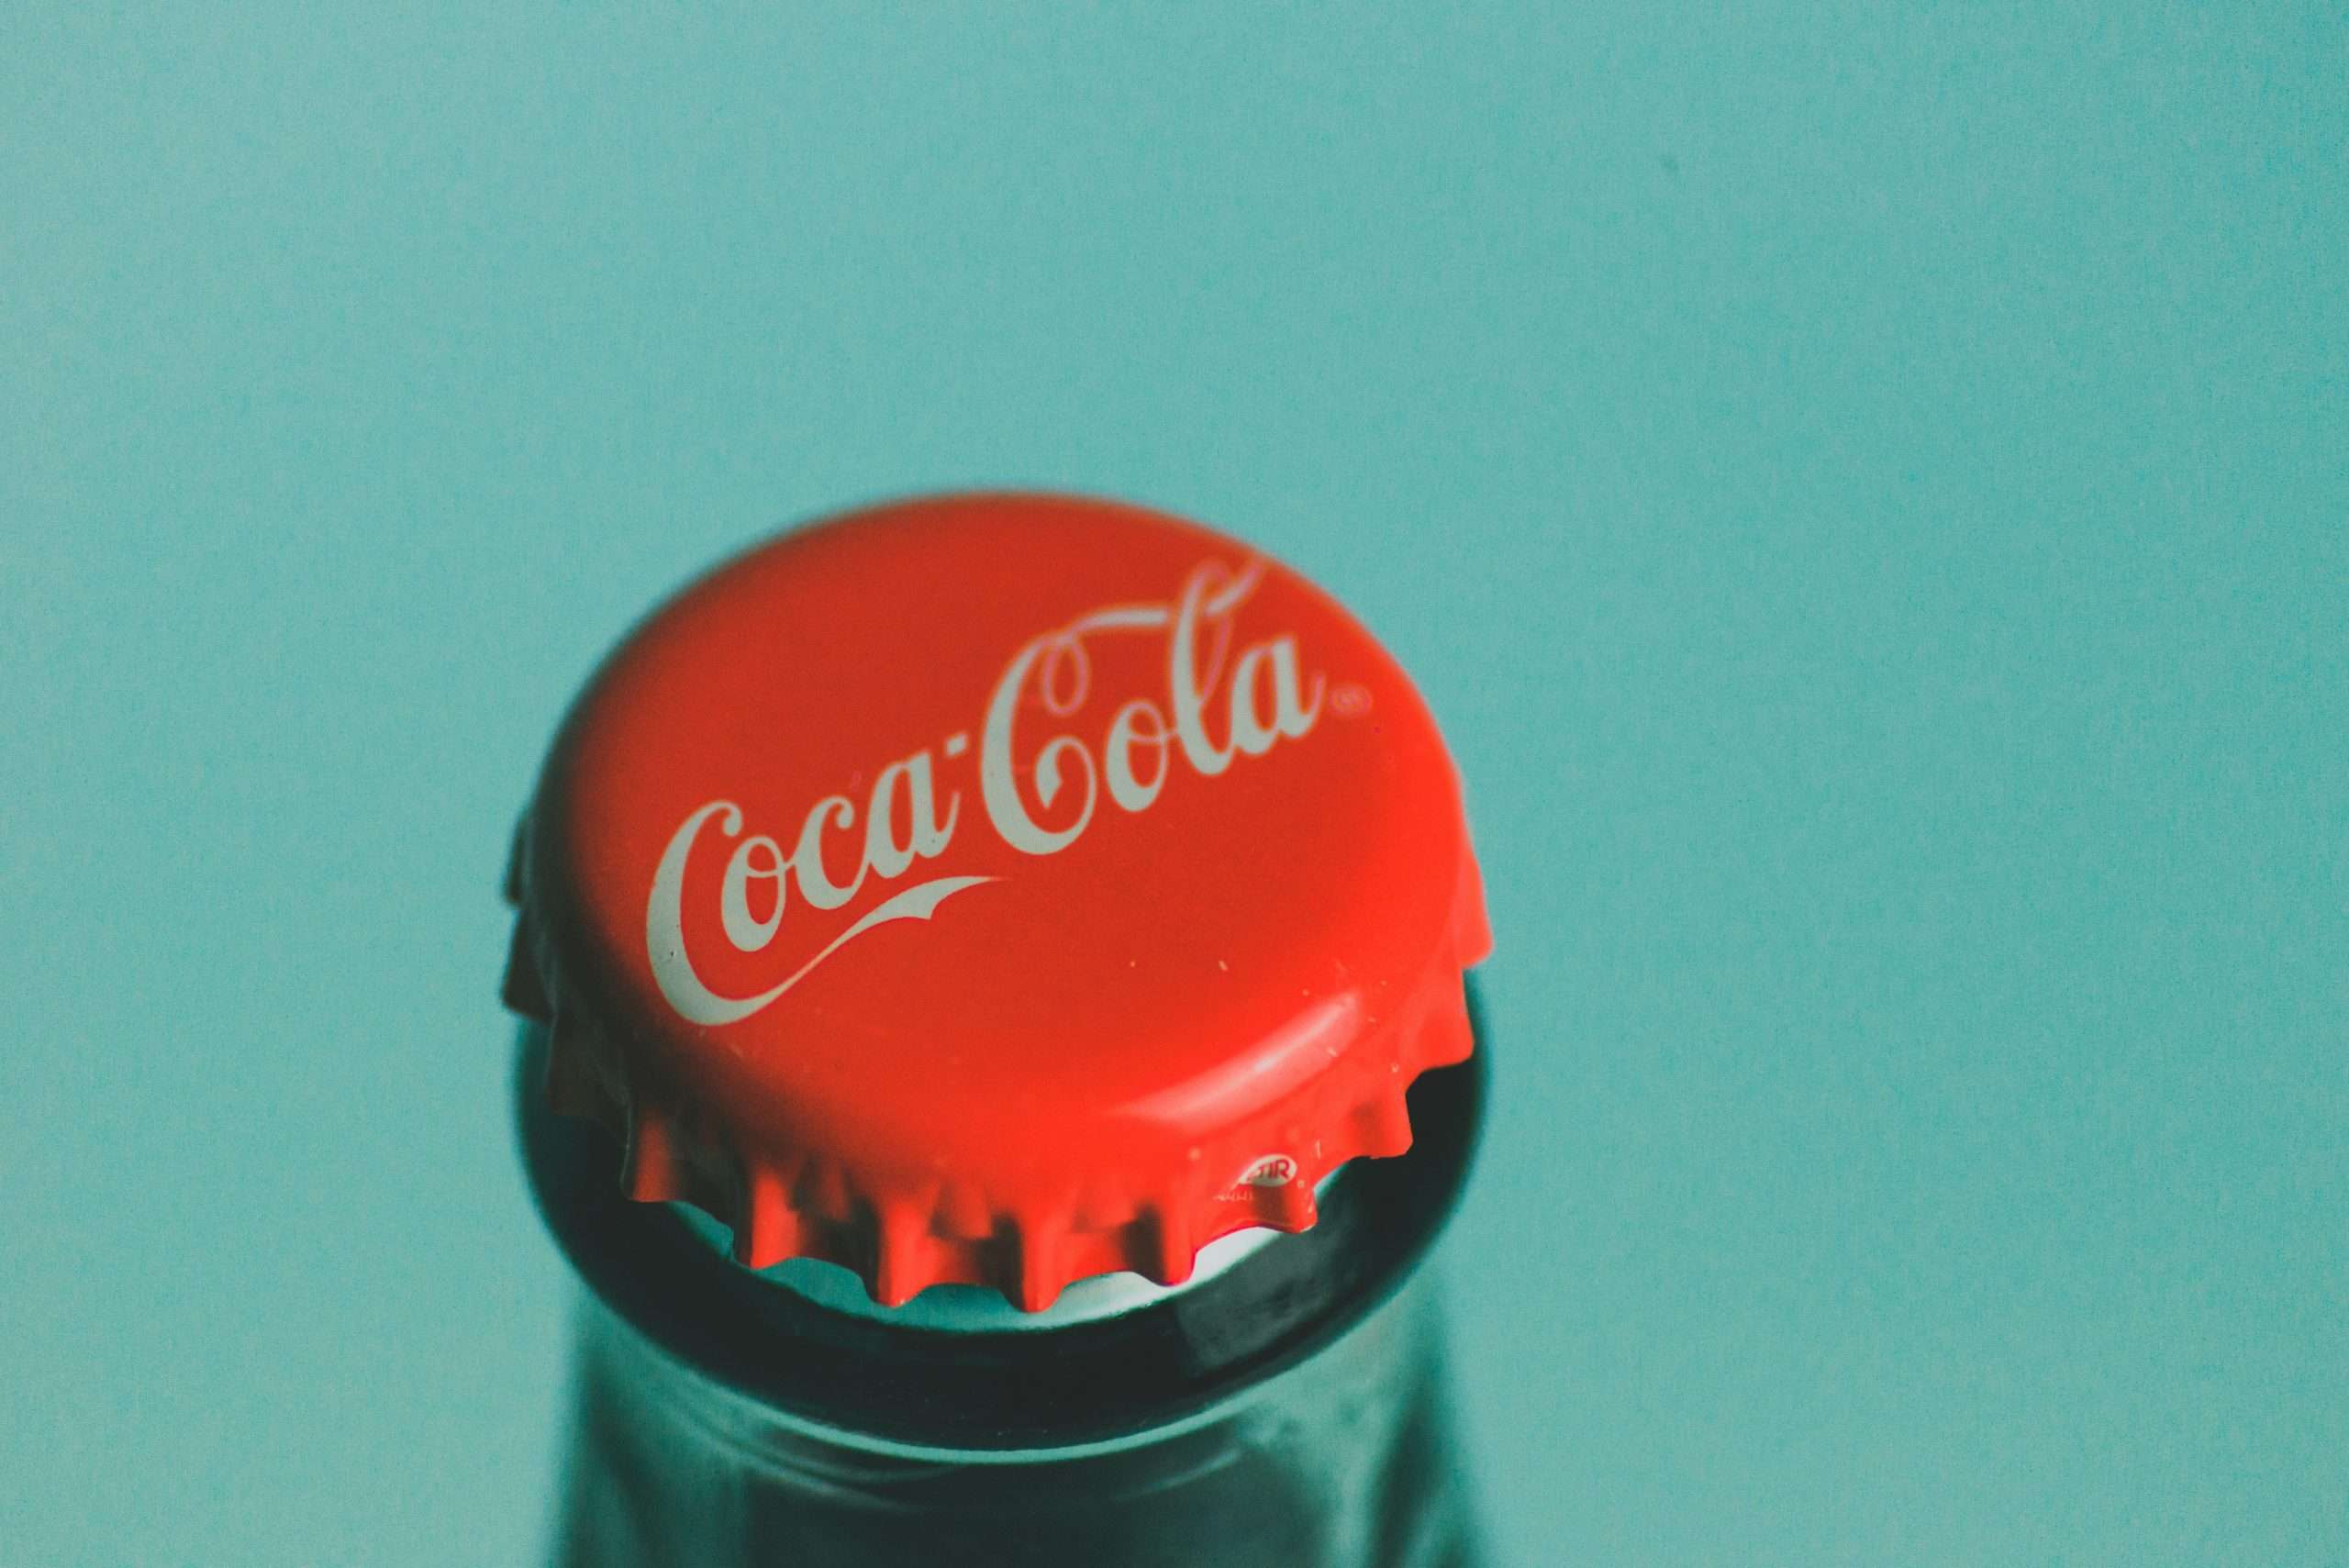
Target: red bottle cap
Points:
(998, 889)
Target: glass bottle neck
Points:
(1342, 1460)
(1143, 1367)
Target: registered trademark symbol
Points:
(1350, 701)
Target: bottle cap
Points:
(996, 889)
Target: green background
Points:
(1866, 489)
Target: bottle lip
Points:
(970, 1309)
(1002, 1391)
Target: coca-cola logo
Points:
(1217, 708)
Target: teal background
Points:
(1866, 489)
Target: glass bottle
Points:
(1081, 1222)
